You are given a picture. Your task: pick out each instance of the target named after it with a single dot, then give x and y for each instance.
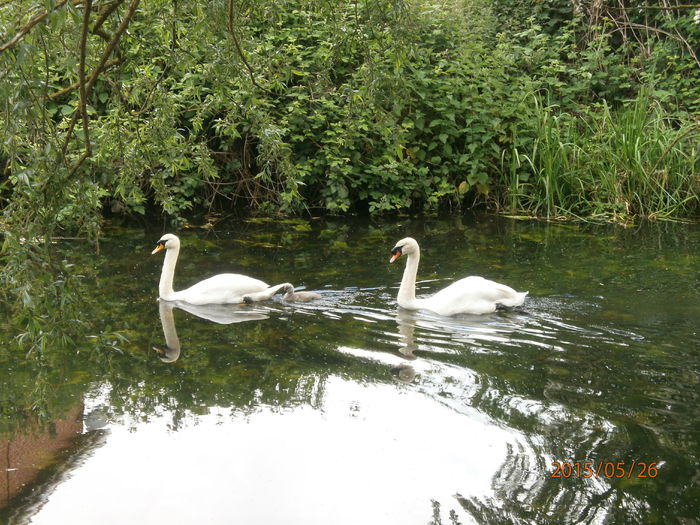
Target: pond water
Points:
(581, 406)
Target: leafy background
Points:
(546, 108)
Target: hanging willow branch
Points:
(90, 83)
(239, 49)
(81, 76)
(29, 25)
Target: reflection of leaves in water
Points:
(437, 515)
(242, 366)
(48, 307)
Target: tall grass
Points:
(636, 161)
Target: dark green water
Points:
(346, 410)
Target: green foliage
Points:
(288, 105)
(612, 164)
(408, 115)
(342, 107)
(585, 52)
(42, 293)
(612, 133)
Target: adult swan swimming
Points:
(471, 295)
(224, 288)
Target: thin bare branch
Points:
(663, 7)
(676, 36)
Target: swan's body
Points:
(225, 288)
(471, 295)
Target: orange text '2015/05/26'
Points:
(606, 469)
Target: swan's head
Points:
(405, 246)
(166, 242)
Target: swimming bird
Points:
(224, 288)
(301, 296)
(471, 295)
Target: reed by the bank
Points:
(636, 161)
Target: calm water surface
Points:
(347, 410)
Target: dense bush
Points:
(370, 106)
(589, 51)
(616, 130)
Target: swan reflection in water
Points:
(217, 313)
(441, 333)
(406, 322)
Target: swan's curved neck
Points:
(407, 290)
(165, 286)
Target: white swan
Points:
(471, 295)
(225, 288)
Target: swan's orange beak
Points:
(395, 254)
(159, 247)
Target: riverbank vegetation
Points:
(551, 109)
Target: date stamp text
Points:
(604, 469)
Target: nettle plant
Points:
(393, 109)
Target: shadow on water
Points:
(462, 418)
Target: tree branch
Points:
(76, 85)
(239, 50)
(97, 28)
(113, 43)
(29, 25)
(81, 76)
(96, 73)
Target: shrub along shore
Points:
(548, 109)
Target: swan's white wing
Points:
(473, 295)
(225, 288)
